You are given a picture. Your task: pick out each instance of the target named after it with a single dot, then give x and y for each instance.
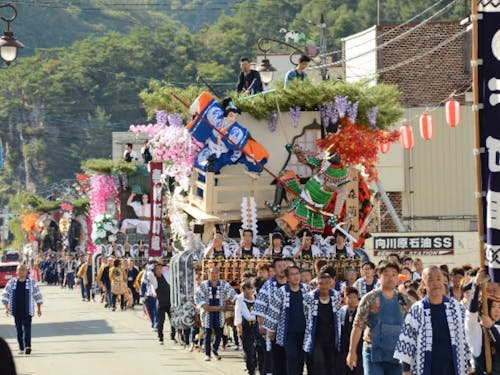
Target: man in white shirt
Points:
(129, 154)
(246, 324)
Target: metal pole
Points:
(395, 218)
(322, 48)
(378, 12)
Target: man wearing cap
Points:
(247, 250)
(306, 249)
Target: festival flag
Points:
(155, 230)
(487, 84)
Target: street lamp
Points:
(8, 44)
(265, 68)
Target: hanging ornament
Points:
(406, 136)
(385, 147)
(452, 109)
(426, 126)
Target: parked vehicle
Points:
(7, 272)
(11, 255)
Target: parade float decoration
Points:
(355, 121)
(104, 229)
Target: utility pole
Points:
(322, 48)
(378, 12)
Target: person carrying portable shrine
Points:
(275, 249)
(217, 248)
(306, 249)
(340, 248)
(247, 249)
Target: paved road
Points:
(75, 337)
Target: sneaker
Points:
(236, 348)
(160, 341)
(21, 351)
(27, 350)
(216, 355)
(207, 358)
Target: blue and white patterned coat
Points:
(360, 285)
(264, 297)
(312, 315)
(34, 295)
(415, 341)
(203, 295)
(276, 319)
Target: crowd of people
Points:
(391, 318)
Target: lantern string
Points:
(438, 105)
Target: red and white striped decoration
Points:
(426, 126)
(452, 109)
(406, 136)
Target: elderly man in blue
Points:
(210, 298)
(286, 319)
(432, 340)
(274, 354)
(19, 297)
(322, 328)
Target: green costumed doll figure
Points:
(306, 210)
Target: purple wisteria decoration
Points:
(295, 116)
(328, 114)
(174, 119)
(352, 112)
(372, 117)
(341, 105)
(161, 118)
(273, 121)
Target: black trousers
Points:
(322, 360)
(279, 359)
(23, 327)
(249, 341)
(162, 311)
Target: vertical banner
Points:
(352, 203)
(155, 245)
(488, 44)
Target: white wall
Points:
(360, 55)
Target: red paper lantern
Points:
(452, 109)
(426, 126)
(384, 147)
(406, 136)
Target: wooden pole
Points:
(479, 187)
